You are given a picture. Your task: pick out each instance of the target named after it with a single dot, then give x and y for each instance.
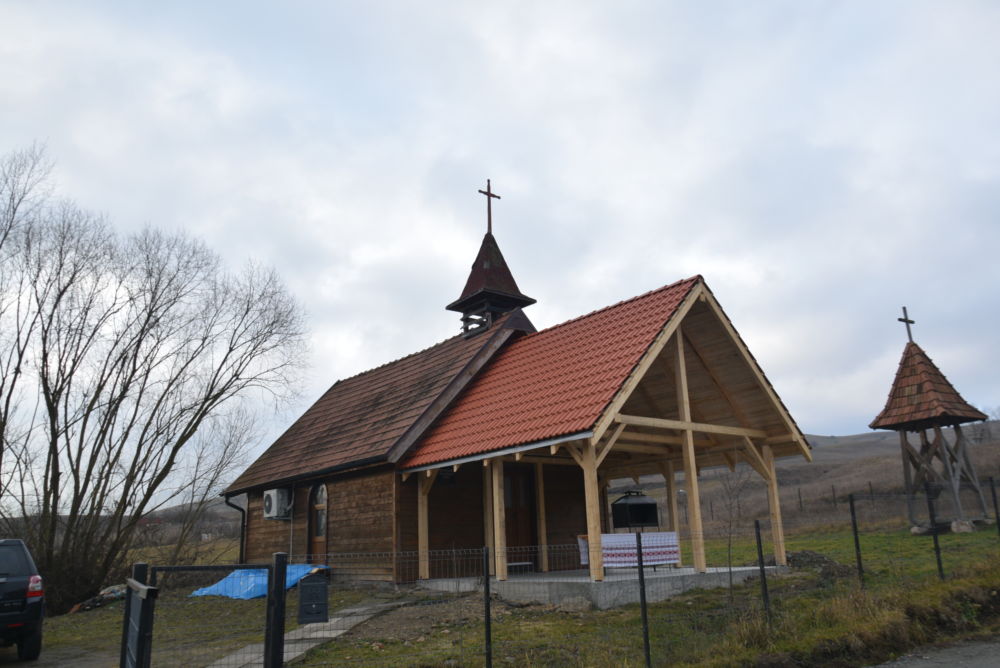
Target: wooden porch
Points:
(695, 400)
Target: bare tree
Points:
(125, 348)
(22, 193)
(219, 448)
(734, 485)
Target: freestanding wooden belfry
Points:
(923, 402)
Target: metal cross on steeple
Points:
(906, 319)
(490, 196)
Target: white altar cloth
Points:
(619, 549)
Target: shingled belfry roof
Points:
(490, 276)
(375, 416)
(553, 383)
(922, 397)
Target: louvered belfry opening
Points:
(490, 290)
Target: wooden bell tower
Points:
(490, 290)
(922, 402)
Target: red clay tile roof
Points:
(359, 419)
(922, 397)
(552, 383)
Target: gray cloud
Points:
(821, 164)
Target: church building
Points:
(508, 437)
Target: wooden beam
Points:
(687, 425)
(640, 437)
(625, 391)
(574, 451)
(645, 449)
(592, 502)
(690, 465)
(488, 517)
(540, 524)
(670, 483)
(714, 377)
(553, 461)
(424, 485)
(499, 521)
(774, 505)
(755, 459)
(610, 444)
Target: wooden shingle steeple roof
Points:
(490, 282)
(922, 397)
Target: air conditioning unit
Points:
(277, 504)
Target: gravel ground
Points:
(969, 654)
(59, 658)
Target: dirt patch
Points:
(823, 565)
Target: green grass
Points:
(816, 618)
(187, 631)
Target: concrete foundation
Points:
(620, 586)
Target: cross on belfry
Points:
(906, 319)
(490, 196)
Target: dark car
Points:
(22, 599)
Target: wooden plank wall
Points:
(359, 519)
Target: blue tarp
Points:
(252, 582)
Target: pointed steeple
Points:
(922, 397)
(490, 290)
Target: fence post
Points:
(934, 531)
(274, 635)
(996, 513)
(800, 499)
(642, 599)
(139, 574)
(763, 574)
(487, 626)
(857, 541)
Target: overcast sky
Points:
(820, 163)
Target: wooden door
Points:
(317, 524)
(519, 507)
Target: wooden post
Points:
(592, 497)
(499, 521)
(488, 517)
(424, 483)
(774, 505)
(690, 463)
(667, 469)
(602, 485)
(540, 525)
(907, 478)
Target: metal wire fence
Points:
(448, 607)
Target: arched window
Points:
(317, 522)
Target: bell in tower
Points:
(491, 290)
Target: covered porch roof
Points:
(659, 383)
